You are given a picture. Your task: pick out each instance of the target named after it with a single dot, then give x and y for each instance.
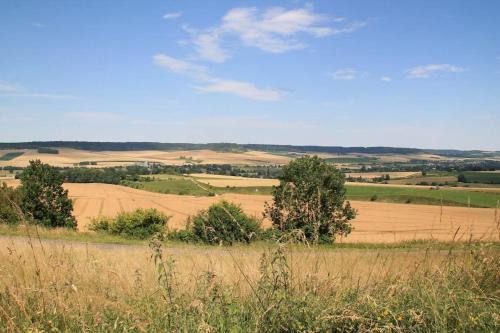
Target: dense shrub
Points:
(140, 224)
(224, 223)
(10, 200)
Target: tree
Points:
(311, 198)
(224, 223)
(9, 205)
(44, 199)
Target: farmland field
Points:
(482, 177)
(203, 184)
(376, 222)
(10, 155)
(68, 157)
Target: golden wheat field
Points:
(69, 157)
(376, 222)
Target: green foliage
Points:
(11, 155)
(311, 198)
(139, 224)
(480, 177)
(224, 223)
(44, 200)
(10, 200)
(43, 150)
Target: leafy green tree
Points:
(311, 198)
(10, 200)
(224, 223)
(43, 198)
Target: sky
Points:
(422, 74)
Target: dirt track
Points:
(376, 222)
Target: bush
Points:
(225, 223)
(140, 224)
(374, 197)
(184, 235)
(10, 200)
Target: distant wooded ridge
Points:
(134, 146)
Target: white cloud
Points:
(92, 116)
(9, 88)
(344, 74)
(41, 95)
(208, 47)
(15, 90)
(386, 78)
(213, 84)
(426, 71)
(242, 89)
(180, 66)
(275, 30)
(172, 15)
(39, 25)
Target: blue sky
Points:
(352, 73)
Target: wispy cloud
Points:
(426, 71)
(180, 66)
(41, 95)
(344, 74)
(386, 78)
(242, 89)
(9, 87)
(172, 15)
(39, 25)
(92, 116)
(274, 30)
(212, 84)
(15, 90)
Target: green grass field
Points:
(449, 197)
(171, 184)
(11, 155)
(482, 177)
(174, 185)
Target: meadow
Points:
(10, 155)
(482, 177)
(76, 286)
(204, 185)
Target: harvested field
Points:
(376, 222)
(69, 157)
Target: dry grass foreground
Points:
(68, 157)
(60, 286)
(376, 222)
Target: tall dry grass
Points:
(69, 286)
